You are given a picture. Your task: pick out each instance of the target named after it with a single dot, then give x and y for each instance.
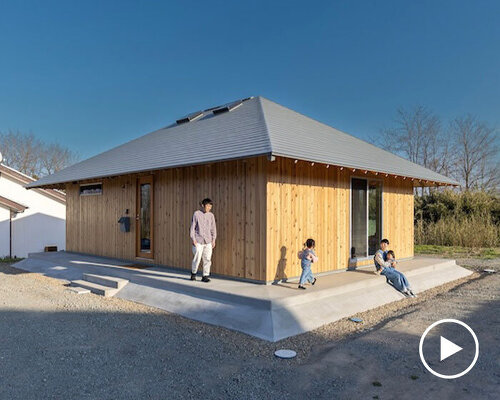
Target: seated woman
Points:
(386, 266)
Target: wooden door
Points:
(144, 217)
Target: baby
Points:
(391, 257)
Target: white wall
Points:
(42, 224)
(4, 232)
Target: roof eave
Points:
(414, 179)
(12, 205)
(60, 184)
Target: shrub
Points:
(470, 219)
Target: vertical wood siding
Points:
(238, 189)
(264, 211)
(92, 221)
(398, 216)
(314, 201)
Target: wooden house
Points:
(276, 178)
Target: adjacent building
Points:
(30, 220)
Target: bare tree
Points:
(55, 157)
(20, 151)
(475, 153)
(417, 136)
(33, 157)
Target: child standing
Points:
(307, 257)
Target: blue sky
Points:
(94, 74)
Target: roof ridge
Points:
(268, 135)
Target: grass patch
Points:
(10, 260)
(486, 253)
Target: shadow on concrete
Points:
(8, 269)
(147, 277)
(288, 285)
(360, 271)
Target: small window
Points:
(91, 189)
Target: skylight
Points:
(190, 117)
(228, 107)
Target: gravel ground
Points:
(56, 344)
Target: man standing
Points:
(203, 233)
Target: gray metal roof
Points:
(256, 127)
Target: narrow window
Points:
(145, 217)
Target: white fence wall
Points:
(4, 232)
(42, 224)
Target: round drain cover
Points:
(284, 353)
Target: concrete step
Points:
(445, 275)
(105, 280)
(105, 291)
(437, 267)
(292, 317)
(434, 275)
(78, 290)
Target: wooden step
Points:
(105, 280)
(105, 291)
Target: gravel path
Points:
(56, 344)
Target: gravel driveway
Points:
(56, 344)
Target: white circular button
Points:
(448, 348)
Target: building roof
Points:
(12, 205)
(242, 129)
(24, 179)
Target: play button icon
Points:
(448, 348)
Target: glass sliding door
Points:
(358, 216)
(366, 216)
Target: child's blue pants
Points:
(306, 276)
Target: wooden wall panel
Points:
(238, 189)
(305, 200)
(92, 221)
(398, 213)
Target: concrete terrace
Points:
(269, 312)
